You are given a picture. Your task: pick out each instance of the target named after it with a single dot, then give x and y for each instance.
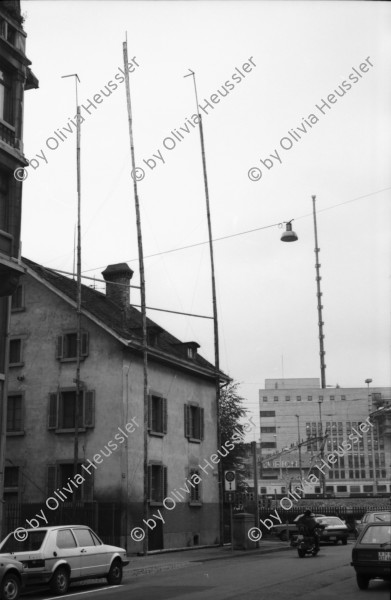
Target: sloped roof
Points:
(111, 315)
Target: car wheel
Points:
(10, 587)
(301, 553)
(59, 583)
(344, 541)
(362, 582)
(115, 574)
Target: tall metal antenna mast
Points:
(78, 292)
(142, 289)
(215, 322)
(320, 306)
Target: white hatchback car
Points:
(60, 555)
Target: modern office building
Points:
(301, 423)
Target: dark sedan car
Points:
(371, 555)
(371, 517)
(334, 530)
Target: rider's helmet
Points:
(307, 513)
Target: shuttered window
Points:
(66, 348)
(157, 415)
(194, 422)
(59, 477)
(157, 483)
(62, 409)
(195, 489)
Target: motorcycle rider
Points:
(308, 526)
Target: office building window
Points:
(287, 398)
(268, 445)
(267, 413)
(268, 430)
(275, 398)
(264, 399)
(309, 398)
(298, 398)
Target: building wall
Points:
(115, 373)
(290, 414)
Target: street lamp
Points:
(289, 235)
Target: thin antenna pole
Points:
(320, 306)
(74, 253)
(142, 289)
(78, 294)
(214, 302)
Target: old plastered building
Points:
(41, 410)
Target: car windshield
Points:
(377, 534)
(329, 521)
(31, 543)
(382, 517)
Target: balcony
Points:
(7, 134)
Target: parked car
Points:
(371, 517)
(335, 530)
(60, 555)
(280, 530)
(12, 578)
(371, 555)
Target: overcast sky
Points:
(299, 53)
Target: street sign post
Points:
(230, 481)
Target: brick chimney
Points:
(114, 275)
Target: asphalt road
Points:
(277, 576)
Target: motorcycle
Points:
(307, 545)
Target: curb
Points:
(136, 571)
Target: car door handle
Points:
(83, 550)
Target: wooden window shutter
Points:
(164, 414)
(60, 347)
(150, 482)
(149, 412)
(201, 416)
(51, 479)
(84, 344)
(89, 409)
(187, 420)
(81, 404)
(164, 482)
(53, 411)
(88, 486)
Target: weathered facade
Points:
(41, 410)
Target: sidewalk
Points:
(167, 561)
